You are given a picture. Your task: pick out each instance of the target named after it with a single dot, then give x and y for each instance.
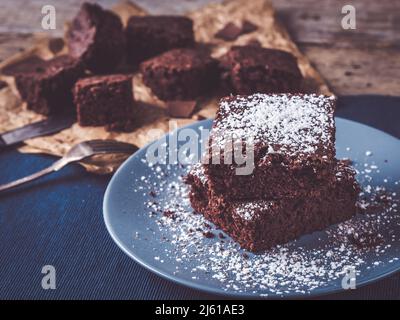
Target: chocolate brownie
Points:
(258, 225)
(46, 85)
(180, 74)
(149, 36)
(291, 138)
(252, 69)
(105, 100)
(96, 37)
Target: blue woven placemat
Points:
(58, 221)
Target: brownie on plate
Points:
(46, 85)
(105, 100)
(253, 69)
(180, 74)
(96, 37)
(288, 142)
(258, 225)
(149, 36)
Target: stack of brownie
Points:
(296, 185)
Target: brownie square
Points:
(96, 37)
(252, 69)
(105, 100)
(290, 137)
(180, 74)
(258, 225)
(149, 36)
(46, 85)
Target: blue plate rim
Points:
(315, 293)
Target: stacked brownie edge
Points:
(296, 187)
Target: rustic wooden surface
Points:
(361, 61)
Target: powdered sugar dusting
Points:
(247, 210)
(201, 253)
(292, 124)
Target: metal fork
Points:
(77, 153)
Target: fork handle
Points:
(54, 167)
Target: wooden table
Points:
(361, 61)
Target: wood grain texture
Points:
(357, 70)
(313, 24)
(319, 22)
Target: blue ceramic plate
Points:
(148, 215)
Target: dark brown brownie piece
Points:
(3, 84)
(46, 85)
(252, 69)
(229, 32)
(180, 74)
(149, 36)
(258, 225)
(105, 100)
(292, 139)
(96, 37)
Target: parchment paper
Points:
(155, 121)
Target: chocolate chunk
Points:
(229, 33)
(248, 27)
(56, 45)
(254, 43)
(3, 84)
(181, 109)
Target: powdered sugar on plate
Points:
(197, 249)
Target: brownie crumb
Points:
(169, 214)
(209, 234)
(152, 194)
(368, 239)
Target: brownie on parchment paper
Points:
(46, 84)
(181, 74)
(105, 101)
(253, 69)
(258, 225)
(96, 36)
(149, 36)
(293, 141)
